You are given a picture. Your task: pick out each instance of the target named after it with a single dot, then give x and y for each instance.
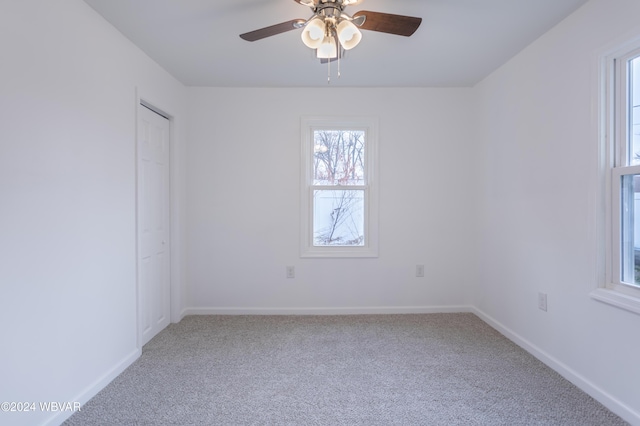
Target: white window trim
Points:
(370, 125)
(612, 120)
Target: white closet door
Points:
(154, 285)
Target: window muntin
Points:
(339, 210)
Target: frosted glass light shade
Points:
(327, 49)
(313, 33)
(348, 34)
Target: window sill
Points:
(622, 301)
(337, 252)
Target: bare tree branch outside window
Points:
(339, 164)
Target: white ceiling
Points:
(458, 44)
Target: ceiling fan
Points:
(330, 30)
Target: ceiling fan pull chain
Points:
(329, 71)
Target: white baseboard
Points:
(613, 404)
(95, 387)
(330, 311)
(183, 313)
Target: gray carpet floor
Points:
(432, 369)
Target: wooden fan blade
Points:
(388, 23)
(272, 30)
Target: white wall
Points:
(244, 147)
(539, 146)
(67, 199)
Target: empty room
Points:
(319, 212)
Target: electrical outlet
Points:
(542, 301)
(419, 271)
(291, 271)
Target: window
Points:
(621, 121)
(339, 208)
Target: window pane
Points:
(338, 218)
(338, 157)
(634, 110)
(630, 229)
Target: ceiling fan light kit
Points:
(327, 49)
(313, 33)
(329, 25)
(348, 34)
